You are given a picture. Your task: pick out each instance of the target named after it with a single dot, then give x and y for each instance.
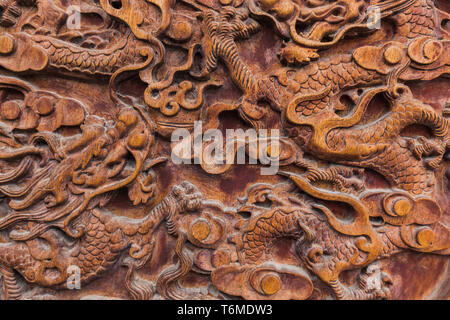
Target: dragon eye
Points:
(116, 4)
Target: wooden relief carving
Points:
(348, 100)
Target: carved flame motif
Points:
(91, 91)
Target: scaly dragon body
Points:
(309, 97)
(323, 250)
(106, 237)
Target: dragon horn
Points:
(360, 226)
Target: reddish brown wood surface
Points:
(93, 204)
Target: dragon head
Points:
(53, 175)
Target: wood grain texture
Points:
(93, 205)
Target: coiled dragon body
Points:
(309, 97)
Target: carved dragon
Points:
(320, 242)
(308, 98)
(58, 186)
(66, 50)
(60, 164)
